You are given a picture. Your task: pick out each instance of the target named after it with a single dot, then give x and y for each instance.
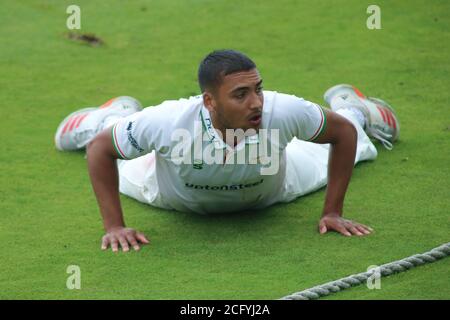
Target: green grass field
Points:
(49, 216)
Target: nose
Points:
(256, 102)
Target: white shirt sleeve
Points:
(138, 134)
(297, 117)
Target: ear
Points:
(209, 101)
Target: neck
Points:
(220, 126)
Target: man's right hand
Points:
(124, 237)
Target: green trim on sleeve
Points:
(323, 126)
(113, 137)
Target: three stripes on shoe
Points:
(388, 118)
(75, 121)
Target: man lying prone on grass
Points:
(235, 147)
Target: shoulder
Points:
(170, 110)
(152, 128)
(286, 100)
(295, 117)
(172, 114)
(284, 107)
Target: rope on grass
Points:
(384, 270)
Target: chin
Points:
(256, 127)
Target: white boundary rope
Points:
(384, 270)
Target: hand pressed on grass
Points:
(124, 237)
(343, 226)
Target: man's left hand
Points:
(343, 226)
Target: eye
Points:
(240, 95)
(259, 90)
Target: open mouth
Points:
(255, 120)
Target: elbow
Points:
(352, 135)
(348, 134)
(90, 145)
(94, 147)
(354, 132)
(101, 146)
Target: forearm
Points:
(340, 167)
(104, 178)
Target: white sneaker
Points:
(381, 121)
(81, 126)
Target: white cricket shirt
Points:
(203, 186)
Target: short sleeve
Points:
(297, 117)
(134, 136)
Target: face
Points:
(238, 101)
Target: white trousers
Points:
(306, 169)
(307, 162)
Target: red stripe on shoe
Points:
(66, 126)
(107, 103)
(391, 117)
(389, 120)
(72, 123)
(80, 119)
(385, 118)
(359, 93)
